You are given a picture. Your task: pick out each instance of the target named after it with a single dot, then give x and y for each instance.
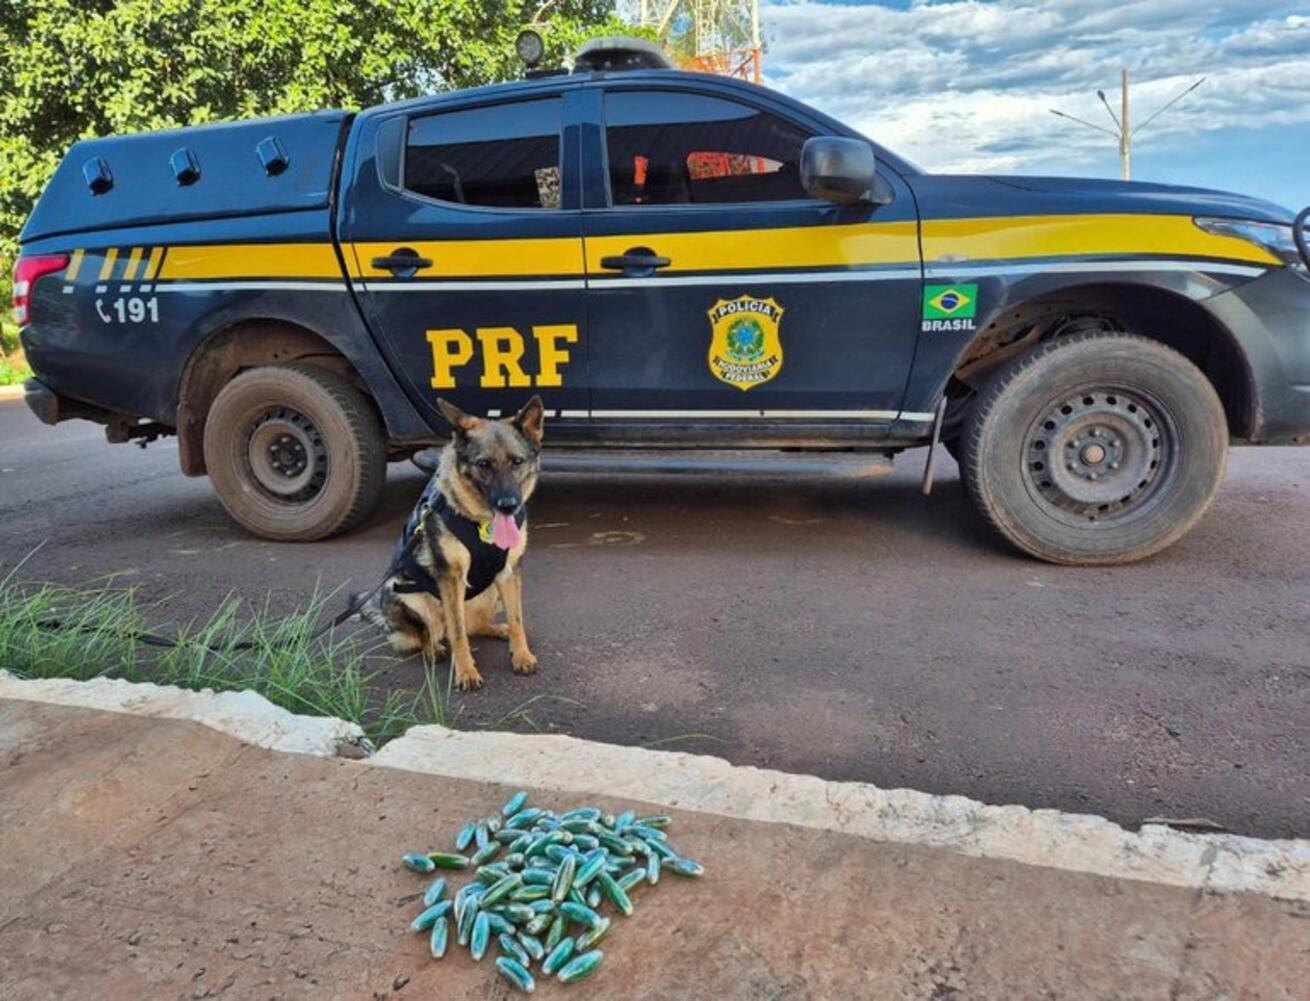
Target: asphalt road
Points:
(851, 630)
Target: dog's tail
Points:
(368, 608)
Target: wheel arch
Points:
(1158, 314)
(234, 347)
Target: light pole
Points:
(1122, 131)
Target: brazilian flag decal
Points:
(950, 302)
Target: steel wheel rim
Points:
(286, 455)
(1100, 454)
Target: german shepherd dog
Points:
(471, 523)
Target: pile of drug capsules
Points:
(555, 874)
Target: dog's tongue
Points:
(505, 530)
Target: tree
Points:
(71, 69)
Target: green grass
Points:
(13, 364)
(99, 630)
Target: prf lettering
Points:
(502, 350)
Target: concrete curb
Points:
(1075, 842)
(11, 392)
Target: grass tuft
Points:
(54, 631)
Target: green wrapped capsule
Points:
(631, 878)
(514, 860)
(440, 936)
(531, 945)
(486, 853)
(508, 835)
(541, 862)
(587, 871)
(518, 913)
(530, 894)
(558, 853)
(539, 924)
(490, 875)
(582, 813)
(429, 917)
(517, 974)
(575, 896)
(524, 818)
(480, 834)
(593, 894)
(544, 841)
(511, 948)
(434, 893)
(480, 938)
(539, 877)
(563, 879)
(580, 913)
(585, 842)
(542, 906)
(417, 863)
(558, 956)
(614, 843)
(659, 821)
(652, 870)
(448, 860)
(647, 833)
(624, 820)
(467, 920)
(499, 924)
(686, 867)
(581, 967)
(514, 804)
(592, 936)
(493, 824)
(616, 894)
(465, 836)
(559, 925)
(501, 889)
(662, 849)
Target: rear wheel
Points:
(294, 452)
(1098, 448)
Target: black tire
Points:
(295, 453)
(1139, 440)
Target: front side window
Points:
(500, 156)
(668, 148)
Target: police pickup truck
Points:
(677, 263)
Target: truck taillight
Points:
(26, 272)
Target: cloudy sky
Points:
(966, 85)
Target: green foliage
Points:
(52, 631)
(72, 69)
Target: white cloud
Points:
(967, 86)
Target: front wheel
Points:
(295, 452)
(1095, 449)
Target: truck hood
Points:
(945, 195)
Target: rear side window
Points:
(668, 148)
(500, 156)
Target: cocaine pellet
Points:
(465, 836)
(429, 917)
(439, 938)
(516, 974)
(514, 804)
(479, 939)
(434, 892)
(510, 947)
(447, 860)
(581, 967)
(417, 863)
(558, 956)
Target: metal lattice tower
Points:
(713, 36)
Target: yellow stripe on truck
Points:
(480, 258)
(152, 265)
(74, 266)
(252, 260)
(107, 268)
(129, 272)
(769, 249)
(1025, 237)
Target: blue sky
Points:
(965, 85)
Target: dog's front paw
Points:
(524, 662)
(468, 680)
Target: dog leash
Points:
(171, 642)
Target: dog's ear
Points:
(530, 420)
(462, 423)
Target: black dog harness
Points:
(486, 559)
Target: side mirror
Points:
(842, 171)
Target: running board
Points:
(718, 462)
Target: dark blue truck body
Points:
(777, 319)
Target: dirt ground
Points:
(157, 858)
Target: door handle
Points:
(637, 261)
(403, 262)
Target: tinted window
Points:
(506, 156)
(667, 148)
